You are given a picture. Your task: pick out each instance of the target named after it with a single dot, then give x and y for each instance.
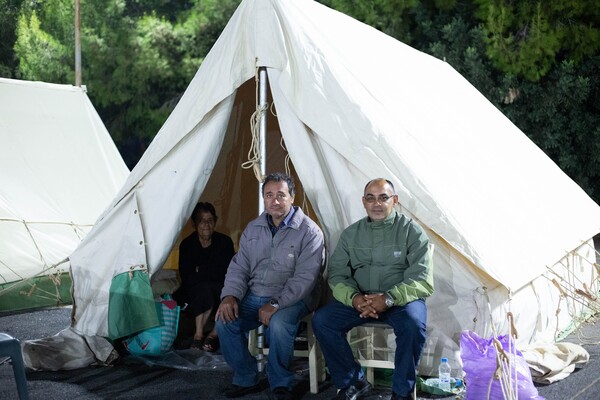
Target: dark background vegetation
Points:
(537, 61)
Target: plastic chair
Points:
(371, 354)
(9, 346)
(316, 362)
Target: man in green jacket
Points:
(381, 270)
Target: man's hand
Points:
(364, 305)
(228, 310)
(377, 302)
(265, 313)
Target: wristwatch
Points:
(274, 303)
(389, 300)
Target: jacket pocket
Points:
(283, 265)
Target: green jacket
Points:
(382, 256)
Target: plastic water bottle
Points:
(435, 383)
(444, 373)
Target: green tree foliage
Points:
(10, 10)
(41, 56)
(387, 16)
(205, 23)
(547, 77)
(528, 38)
(449, 33)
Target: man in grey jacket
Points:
(272, 280)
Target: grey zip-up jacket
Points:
(285, 267)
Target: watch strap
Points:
(389, 300)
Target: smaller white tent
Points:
(58, 169)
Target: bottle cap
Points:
(444, 359)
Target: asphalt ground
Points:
(132, 379)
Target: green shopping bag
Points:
(131, 307)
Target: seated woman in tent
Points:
(203, 260)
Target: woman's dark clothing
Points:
(202, 272)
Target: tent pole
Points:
(262, 133)
(77, 45)
(262, 129)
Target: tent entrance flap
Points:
(231, 188)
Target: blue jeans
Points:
(332, 322)
(280, 335)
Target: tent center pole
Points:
(262, 129)
(262, 133)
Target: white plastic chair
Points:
(316, 362)
(371, 354)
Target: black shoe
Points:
(281, 393)
(354, 392)
(398, 397)
(239, 391)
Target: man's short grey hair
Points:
(380, 179)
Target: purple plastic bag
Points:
(479, 364)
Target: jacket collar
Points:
(294, 222)
(386, 222)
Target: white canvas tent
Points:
(58, 169)
(354, 104)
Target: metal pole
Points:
(77, 46)
(262, 129)
(262, 134)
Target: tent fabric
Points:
(58, 169)
(552, 362)
(353, 104)
(74, 350)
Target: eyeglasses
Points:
(209, 221)
(382, 198)
(278, 196)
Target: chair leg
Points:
(371, 350)
(316, 363)
(19, 371)
(9, 346)
(252, 345)
(316, 368)
(371, 375)
(260, 346)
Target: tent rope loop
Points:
(254, 156)
(506, 369)
(35, 289)
(571, 287)
(580, 297)
(51, 271)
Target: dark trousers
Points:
(332, 322)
